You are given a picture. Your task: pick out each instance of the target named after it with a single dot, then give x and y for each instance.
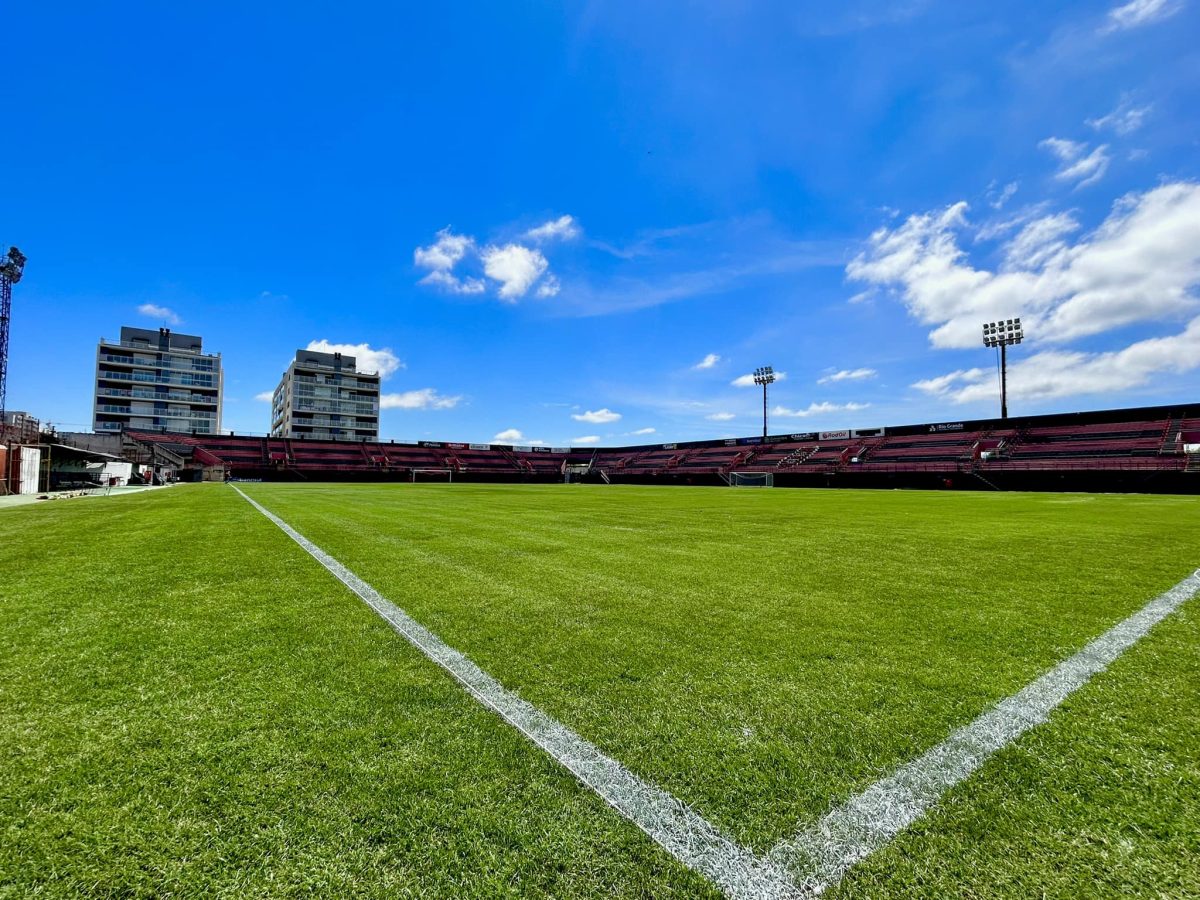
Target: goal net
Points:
(752, 479)
(432, 475)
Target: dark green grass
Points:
(761, 654)
(1102, 801)
(189, 707)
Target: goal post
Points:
(446, 475)
(752, 479)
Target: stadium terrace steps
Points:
(1146, 440)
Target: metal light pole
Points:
(764, 375)
(1003, 333)
(11, 267)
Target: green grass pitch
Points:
(191, 706)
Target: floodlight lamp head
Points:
(13, 265)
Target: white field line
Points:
(817, 856)
(679, 829)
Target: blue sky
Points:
(576, 222)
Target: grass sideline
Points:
(219, 712)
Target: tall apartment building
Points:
(157, 381)
(323, 395)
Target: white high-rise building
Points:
(156, 381)
(323, 395)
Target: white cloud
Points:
(848, 375)
(441, 257)
(549, 287)
(748, 380)
(942, 383)
(444, 253)
(509, 436)
(1076, 166)
(997, 227)
(367, 359)
(998, 197)
(1063, 149)
(1141, 264)
(162, 313)
(1064, 373)
(1140, 12)
(708, 362)
(721, 417)
(422, 398)
(586, 439)
(265, 396)
(453, 284)
(597, 417)
(816, 409)
(515, 266)
(1125, 119)
(1039, 242)
(642, 431)
(564, 228)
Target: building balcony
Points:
(142, 394)
(360, 409)
(181, 380)
(156, 413)
(150, 348)
(335, 423)
(343, 435)
(161, 423)
(186, 365)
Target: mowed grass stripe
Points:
(819, 855)
(678, 829)
(1101, 801)
(1166, 501)
(187, 709)
(838, 658)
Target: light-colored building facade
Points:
(324, 396)
(157, 380)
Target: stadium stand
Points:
(1151, 448)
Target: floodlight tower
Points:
(11, 268)
(764, 375)
(1003, 333)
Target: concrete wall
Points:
(97, 443)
